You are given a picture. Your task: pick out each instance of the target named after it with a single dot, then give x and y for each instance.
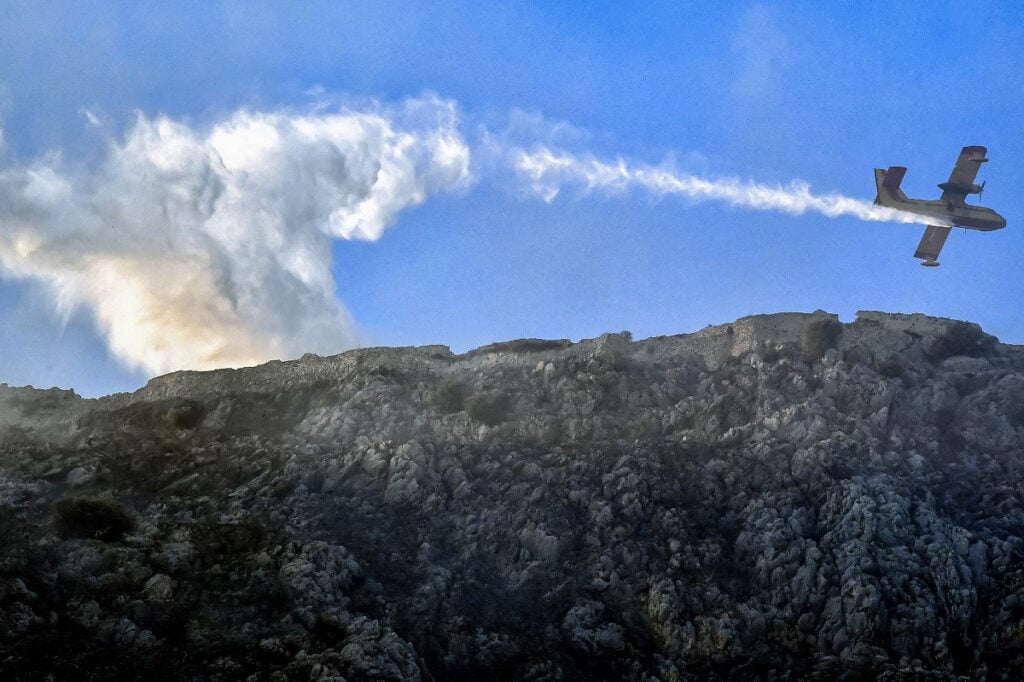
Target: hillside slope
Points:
(784, 497)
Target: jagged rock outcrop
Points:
(783, 497)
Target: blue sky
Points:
(762, 92)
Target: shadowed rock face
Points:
(784, 497)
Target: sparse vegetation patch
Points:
(960, 338)
(448, 398)
(819, 336)
(92, 517)
(491, 407)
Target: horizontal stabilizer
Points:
(931, 243)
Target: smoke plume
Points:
(203, 248)
(547, 171)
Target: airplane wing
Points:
(963, 175)
(931, 243)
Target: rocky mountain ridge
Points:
(782, 497)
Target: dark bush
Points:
(771, 352)
(768, 353)
(385, 371)
(186, 415)
(448, 398)
(92, 517)
(219, 541)
(491, 408)
(819, 336)
(960, 338)
(889, 365)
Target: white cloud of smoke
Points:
(199, 248)
(203, 248)
(548, 171)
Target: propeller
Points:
(981, 189)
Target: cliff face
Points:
(785, 497)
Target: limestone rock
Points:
(781, 497)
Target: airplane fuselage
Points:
(965, 215)
(948, 211)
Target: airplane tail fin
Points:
(888, 184)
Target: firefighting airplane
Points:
(949, 208)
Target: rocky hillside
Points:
(784, 497)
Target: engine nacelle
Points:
(960, 189)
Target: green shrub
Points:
(186, 415)
(218, 541)
(448, 398)
(960, 338)
(768, 352)
(384, 371)
(491, 408)
(889, 365)
(819, 336)
(92, 517)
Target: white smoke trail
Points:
(202, 248)
(548, 171)
(209, 248)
